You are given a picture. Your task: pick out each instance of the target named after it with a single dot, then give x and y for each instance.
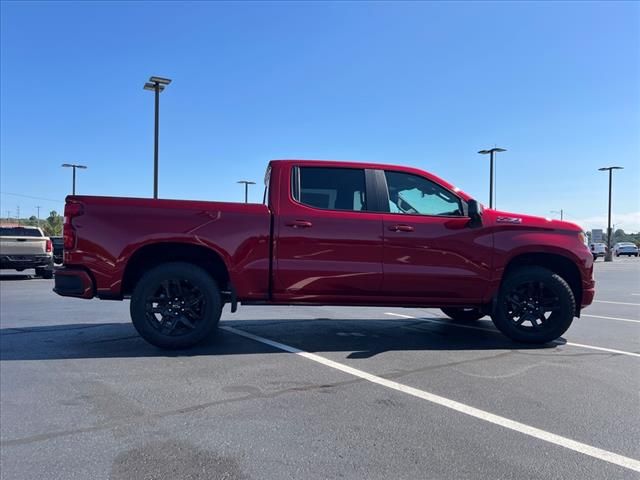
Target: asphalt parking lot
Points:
(342, 393)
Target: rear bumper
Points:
(25, 261)
(73, 283)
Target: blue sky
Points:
(421, 84)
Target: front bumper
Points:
(588, 293)
(73, 283)
(16, 262)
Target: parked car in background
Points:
(625, 248)
(58, 247)
(598, 250)
(26, 247)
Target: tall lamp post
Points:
(608, 257)
(561, 212)
(156, 84)
(246, 189)
(74, 166)
(492, 153)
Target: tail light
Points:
(71, 210)
(48, 246)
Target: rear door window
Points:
(330, 188)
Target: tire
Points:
(44, 272)
(463, 314)
(526, 297)
(176, 305)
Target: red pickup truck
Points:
(328, 233)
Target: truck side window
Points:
(331, 188)
(415, 195)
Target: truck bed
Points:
(110, 229)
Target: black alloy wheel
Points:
(176, 305)
(534, 305)
(175, 308)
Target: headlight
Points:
(583, 238)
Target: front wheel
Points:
(176, 305)
(463, 314)
(535, 305)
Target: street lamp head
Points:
(73, 165)
(153, 86)
(247, 182)
(160, 80)
(495, 149)
(610, 168)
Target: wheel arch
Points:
(564, 266)
(151, 255)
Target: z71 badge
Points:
(508, 220)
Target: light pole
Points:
(492, 153)
(156, 84)
(607, 256)
(74, 166)
(246, 189)
(561, 212)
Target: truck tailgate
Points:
(23, 245)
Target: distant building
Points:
(597, 236)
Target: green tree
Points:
(53, 224)
(618, 235)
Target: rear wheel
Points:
(44, 272)
(464, 314)
(176, 305)
(534, 305)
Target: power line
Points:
(29, 196)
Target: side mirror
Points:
(474, 210)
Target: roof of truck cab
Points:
(338, 163)
(378, 166)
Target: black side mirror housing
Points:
(474, 209)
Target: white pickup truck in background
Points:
(26, 247)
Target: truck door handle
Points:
(401, 228)
(300, 224)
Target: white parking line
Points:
(453, 324)
(617, 303)
(605, 455)
(610, 318)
